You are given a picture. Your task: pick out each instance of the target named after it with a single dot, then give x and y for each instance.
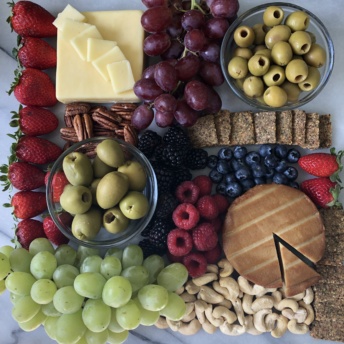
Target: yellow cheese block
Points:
(69, 28)
(72, 13)
(121, 76)
(78, 80)
(98, 47)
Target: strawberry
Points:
(30, 19)
(27, 204)
(35, 53)
(53, 233)
(22, 176)
(27, 230)
(323, 164)
(322, 191)
(34, 121)
(33, 87)
(58, 184)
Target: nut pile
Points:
(217, 300)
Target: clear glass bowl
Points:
(104, 239)
(254, 16)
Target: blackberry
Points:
(173, 155)
(147, 229)
(158, 233)
(158, 153)
(196, 159)
(176, 136)
(148, 141)
(148, 248)
(181, 174)
(164, 176)
(166, 205)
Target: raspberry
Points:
(204, 183)
(207, 207)
(213, 256)
(187, 192)
(222, 203)
(185, 216)
(195, 263)
(204, 237)
(174, 259)
(179, 242)
(216, 223)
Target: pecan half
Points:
(68, 134)
(79, 127)
(130, 135)
(77, 108)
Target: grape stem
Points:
(194, 5)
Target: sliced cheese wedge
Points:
(98, 47)
(121, 76)
(72, 13)
(69, 28)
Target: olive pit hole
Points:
(307, 85)
(305, 47)
(261, 62)
(109, 218)
(243, 33)
(277, 14)
(298, 78)
(85, 197)
(276, 77)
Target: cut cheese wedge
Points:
(71, 13)
(69, 28)
(121, 76)
(98, 47)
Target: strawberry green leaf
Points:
(335, 176)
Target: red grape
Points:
(184, 115)
(164, 119)
(142, 117)
(196, 95)
(165, 103)
(148, 73)
(174, 51)
(211, 73)
(156, 44)
(211, 52)
(216, 28)
(187, 67)
(156, 19)
(147, 89)
(214, 101)
(194, 40)
(155, 3)
(192, 19)
(165, 75)
(224, 8)
(175, 29)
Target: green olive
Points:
(111, 153)
(264, 52)
(93, 189)
(100, 169)
(312, 80)
(258, 65)
(273, 15)
(259, 33)
(293, 91)
(297, 20)
(253, 86)
(240, 83)
(276, 34)
(296, 71)
(300, 42)
(316, 56)
(312, 35)
(281, 53)
(86, 226)
(244, 36)
(78, 168)
(275, 76)
(258, 47)
(76, 199)
(246, 53)
(237, 67)
(275, 96)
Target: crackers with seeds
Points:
(265, 127)
(242, 128)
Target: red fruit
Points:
(28, 230)
(36, 53)
(53, 233)
(195, 263)
(187, 192)
(204, 183)
(179, 242)
(37, 150)
(31, 19)
(222, 203)
(322, 191)
(185, 216)
(207, 207)
(173, 259)
(213, 256)
(27, 204)
(33, 87)
(204, 237)
(58, 184)
(216, 223)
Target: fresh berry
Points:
(259, 180)
(27, 204)
(293, 155)
(229, 178)
(234, 189)
(213, 256)
(204, 237)
(185, 216)
(180, 175)
(212, 161)
(280, 178)
(173, 156)
(236, 164)
(33, 87)
(322, 191)
(216, 223)
(294, 184)
(225, 153)
(247, 184)
(195, 263)
(258, 170)
(196, 159)
(204, 183)
(221, 188)
(281, 166)
(53, 233)
(223, 166)
(271, 161)
(174, 259)
(176, 136)
(239, 152)
(188, 192)
(222, 203)
(281, 151)
(265, 150)
(179, 242)
(215, 176)
(165, 205)
(164, 176)
(207, 207)
(252, 158)
(58, 184)
(291, 173)
(243, 173)
(159, 231)
(148, 248)
(27, 230)
(148, 141)
(22, 175)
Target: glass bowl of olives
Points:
(109, 192)
(277, 56)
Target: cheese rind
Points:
(98, 47)
(121, 76)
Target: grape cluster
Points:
(187, 36)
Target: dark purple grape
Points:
(196, 95)
(156, 44)
(147, 89)
(165, 75)
(142, 117)
(174, 51)
(211, 73)
(216, 28)
(166, 102)
(187, 67)
(193, 19)
(148, 73)
(209, 2)
(194, 40)
(224, 8)
(155, 3)
(214, 101)
(175, 29)
(210, 52)
(156, 19)
(172, 62)
(184, 115)
(164, 119)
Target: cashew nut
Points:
(232, 330)
(185, 328)
(265, 301)
(247, 303)
(277, 296)
(208, 327)
(180, 290)
(221, 290)
(298, 297)
(190, 309)
(309, 296)
(281, 327)
(188, 297)
(161, 323)
(226, 303)
(300, 315)
(239, 311)
(226, 268)
(259, 319)
(232, 286)
(214, 321)
(205, 279)
(296, 328)
(288, 303)
(250, 326)
(213, 268)
(271, 321)
(189, 317)
(200, 307)
(310, 312)
(223, 312)
(265, 291)
(209, 295)
(246, 287)
(191, 287)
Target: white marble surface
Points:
(329, 101)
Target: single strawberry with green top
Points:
(53, 233)
(58, 184)
(28, 230)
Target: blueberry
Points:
(265, 150)
(223, 166)
(225, 153)
(280, 178)
(294, 184)
(281, 151)
(243, 173)
(291, 173)
(270, 161)
(215, 176)
(236, 164)
(293, 155)
(229, 177)
(269, 173)
(258, 170)
(212, 161)
(221, 188)
(281, 166)
(259, 180)
(239, 152)
(233, 189)
(247, 184)
(252, 158)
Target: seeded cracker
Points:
(284, 127)
(223, 127)
(265, 127)
(325, 131)
(203, 132)
(330, 329)
(312, 131)
(299, 127)
(242, 132)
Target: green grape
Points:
(128, 316)
(137, 275)
(173, 276)
(96, 337)
(175, 308)
(70, 327)
(114, 326)
(50, 311)
(96, 315)
(50, 326)
(41, 244)
(14, 298)
(148, 318)
(153, 297)
(82, 340)
(6, 250)
(65, 254)
(67, 300)
(114, 251)
(65, 275)
(19, 283)
(43, 291)
(2, 286)
(33, 323)
(25, 309)
(20, 260)
(154, 264)
(83, 252)
(90, 285)
(5, 266)
(91, 264)
(117, 291)
(117, 338)
(110, 266)
(43, 265)
(132, 255)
